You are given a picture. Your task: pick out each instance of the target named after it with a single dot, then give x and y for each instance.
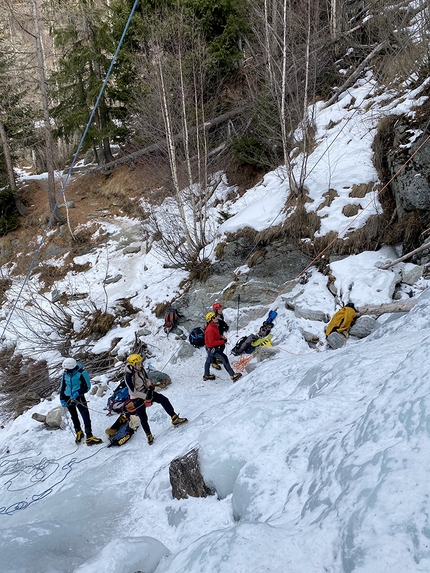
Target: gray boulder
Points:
(363, 326)
(54, 418)
(411, 273)
(310, 314)
(336, 340)
(160, 379)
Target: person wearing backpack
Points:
(342, 320)
(75, 382)
(143, 394)
(222, 327)
(215, 345)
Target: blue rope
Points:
(18, 505)
(48, 225)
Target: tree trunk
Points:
(46, 118)
(354, 75)
(9, 165)
(407, 256)
(7, 157)
(379, 309)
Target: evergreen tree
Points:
(16, 132)
(84, 37)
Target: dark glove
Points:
(150, 393)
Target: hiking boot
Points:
(150, 439)
(216, 366)
(79, 436)
(209, 377)
(92, 440)
(236, 376)
(177, 421)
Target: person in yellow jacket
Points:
(342, 320)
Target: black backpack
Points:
(244, 345)
(197, 337)
(171, 318)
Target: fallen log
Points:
(379, 309)
(407, 256)
(162, 143)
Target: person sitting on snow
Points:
(215, 345)
(74, 384)
(342, 320)
(142, 394)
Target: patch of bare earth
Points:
(95, 196)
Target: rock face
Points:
(411, 187)
(185, 477)
(267, 276)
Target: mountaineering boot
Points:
(209, 377)
(236, 376)
(177, 421)
(79, 436)
(150, 439)
(216, 366)
(92, 440)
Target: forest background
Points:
(198, 87)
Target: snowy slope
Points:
(319, 458)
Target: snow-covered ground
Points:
(319, 458)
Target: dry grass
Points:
(24, 382)
(97, 325)
(219, 250)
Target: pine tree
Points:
(83, 36)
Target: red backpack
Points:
(171, 318)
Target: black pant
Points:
(80, 404)
(217, 352)
(139, 404)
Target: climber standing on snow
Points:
(74, 384)
(222, 327)
(142, 394)
(215, 345)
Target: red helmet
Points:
(216, 306)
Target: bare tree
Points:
(289, 40)
(173, 65)
(46, 117)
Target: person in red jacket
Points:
(215, 345)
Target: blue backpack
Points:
(197, 337)
(120, 401)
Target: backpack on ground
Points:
(197, 337)
(171, 318)
(120, 401)
(264, 341)
(122, 429)
(267, 325)
(243, 345)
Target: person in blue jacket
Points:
(74, 384)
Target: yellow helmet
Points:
(133, 359)
(209, 316)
